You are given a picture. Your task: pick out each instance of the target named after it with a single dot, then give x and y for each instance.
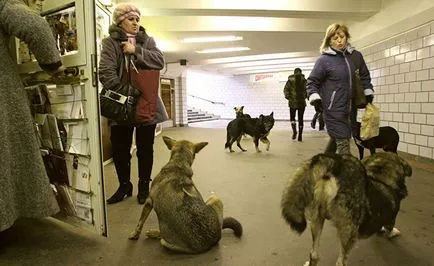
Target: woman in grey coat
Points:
(24, 186)
(330, 86)
(128, 39)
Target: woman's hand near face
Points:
(128, 48)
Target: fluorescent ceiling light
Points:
(223, 50)
(213, 39)
(260, 57)
(269, 62)
(266, 71)
(302, 66)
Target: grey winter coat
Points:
(331, 80)
(24, 186)
(295, 92)
(147, 56)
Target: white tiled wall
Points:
(227, 92)
(402, 71)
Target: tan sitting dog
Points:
(186, 222)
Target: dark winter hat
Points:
(124, 11)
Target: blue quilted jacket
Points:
(331, 80)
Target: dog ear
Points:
(235, 108)
(242, 108)
(272, 113)
(261, 116)
(199, 146)
(169, 142)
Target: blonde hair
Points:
(330, 32)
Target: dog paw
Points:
(153, 233)
(134, 235)
(307, 263)
(394, 233)
(244, 150)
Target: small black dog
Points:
(388, 139)
(258, 128)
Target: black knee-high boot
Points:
(125, 189)
(300, 133)
(294, 129)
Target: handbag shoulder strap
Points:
(356, 63)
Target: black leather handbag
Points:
(359, 98)
(119, 104)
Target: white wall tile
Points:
(413, 149)
(410, 97)
(404, 48)
(422, 97)
(426, 152)
(407, 117)
(431, 142)
(399, 97)
(430, 119)
(422, 75)
(423, 53)
(416, 65)
(403, 68)
(428, 108)
(427, 130)
(431, 73)
(402, 127)
(410, 138)
(428, 40)
(394, 50)
(420, 118)
(428, 85)
(415, 86)
(403, 87)
(424, 31)
(403, 147)
(394, 69)
(428, 63)
(415, 107)
(431, 96)
(404, 107)
(416, 44)
(397, 117)
(410, 56)
(422, 140)
(399, 59)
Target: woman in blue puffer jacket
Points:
(329, 86)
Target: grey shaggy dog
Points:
(361, 198)
(187, 223)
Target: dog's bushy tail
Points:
(232, 223)
(311, 181)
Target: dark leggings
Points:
(121, 139)
(292, 112)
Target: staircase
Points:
(196, 115)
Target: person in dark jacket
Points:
(295, 93)
(329, 86)
(129, 40)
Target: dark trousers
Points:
(121, 139)
(292, 112)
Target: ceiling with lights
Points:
(238, 37)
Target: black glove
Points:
(318, 105)
(369, 98)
